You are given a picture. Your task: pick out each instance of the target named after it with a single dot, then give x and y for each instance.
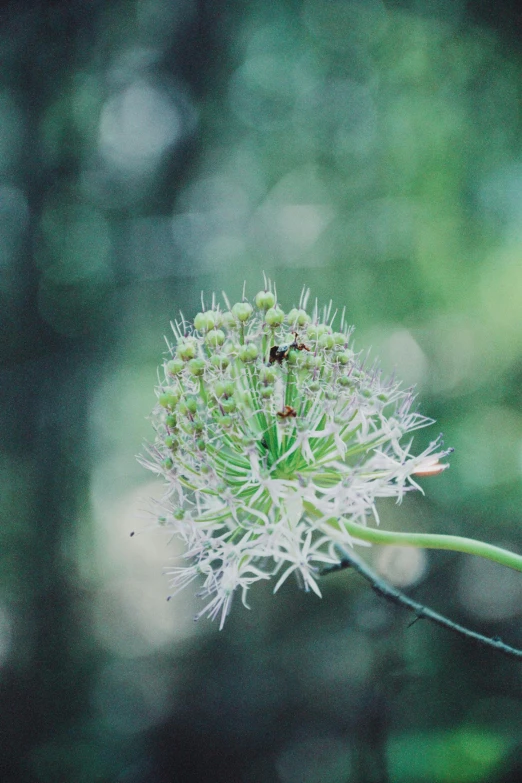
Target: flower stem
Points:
(422, 540)
(350, 560)
(434, 541)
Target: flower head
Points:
(272, 433)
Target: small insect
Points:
(287, 412)
(280, 352)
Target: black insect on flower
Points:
(280, 352)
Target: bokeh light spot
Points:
(137, 126)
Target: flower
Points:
(272, 434)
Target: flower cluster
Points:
(272, 434)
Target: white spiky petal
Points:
(265, 451)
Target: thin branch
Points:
(351, 560)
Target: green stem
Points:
(423, 540)
(203, 391)
(435, 541)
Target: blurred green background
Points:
(152, 149)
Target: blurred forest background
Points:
(152, 149)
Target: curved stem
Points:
(422, 540)
(434, 541)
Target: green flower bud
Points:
(242, 311)
(169, 398)
(344, 380)
(175, 366)
(339, 338)
(225, 422)
(382, 397)
(366, 393)
(196, 367)
(167, 463)
(314, 386)
(224, 389)
(179, 514)
(298, 317)
(314, 362)
(229, 405)
(186, 349)
(265, 300)
(171, 442)
(219, 361)
(198, 426)
(232, 349)
(228, 320)
(266, 392)
(326, 341)
(203, 322)
(343, 358)
(317, 330)
(267, 375)
(171, 420)
(201, 444)
(188, 406)
(247, 353)
(274, 316)
(215, 337)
